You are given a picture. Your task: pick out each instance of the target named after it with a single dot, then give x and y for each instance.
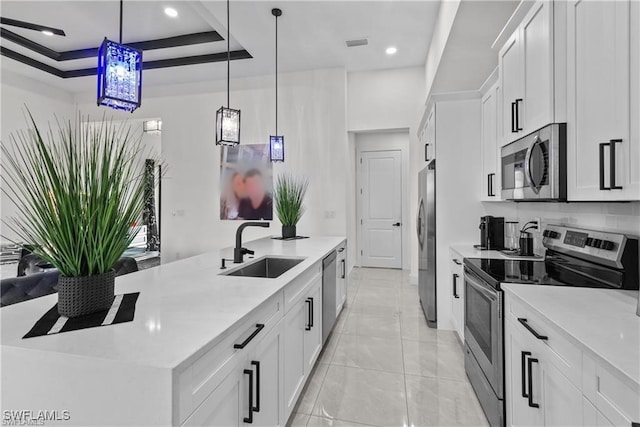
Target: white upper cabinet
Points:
(602, 129)
(490, 149)
(526, 66)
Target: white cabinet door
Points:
(490, 148)
(267, 364)
(510, 63)
(341, 279)
(226, 406)
(536, 109)
(313, 331)
(561, 401)
(520, 352)
(457, 295)
(294, 361)
(598, 102)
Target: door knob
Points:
(397, 224)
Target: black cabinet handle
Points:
(311, 306)
(249, 419)
(612, 168)
(518, 101)
(257, 365)
(455, 286)
(457, 262)
(513, 118)
(344, 269)
(530, 329)
(601, 165)
(259, 327)
(523, 374)
(426, 152)
(490, 177)
(530, 363)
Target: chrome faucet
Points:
(239, 251)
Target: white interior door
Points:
(380, 174)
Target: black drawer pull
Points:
(457, 262)
(513, 118)
(249, 419)
(518, 101)
(455, 286)
(309, 308)
(259, 327)
(530, 329)
(344, 269)
(530, 363)
(257, 365)
(523, 374)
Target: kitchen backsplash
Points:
(616, 217)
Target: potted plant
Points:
(289, 195)
(77, 190)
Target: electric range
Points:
(574, 257)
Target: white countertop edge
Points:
(599, 358)
(466, 250)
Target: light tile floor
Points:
(383, 366)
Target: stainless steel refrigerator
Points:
(426, 228)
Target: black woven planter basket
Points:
(78, 296)
(288, 231)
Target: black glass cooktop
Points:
(555, 270)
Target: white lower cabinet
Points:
(303, 341)
(457, 293)
(550, 381)
(256, 374)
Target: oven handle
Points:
(489, 292)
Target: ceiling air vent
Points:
(357, 42)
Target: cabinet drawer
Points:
(557, 349)
(295, 290)
(614, 398)
(200, 379)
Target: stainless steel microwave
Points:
(535, 166)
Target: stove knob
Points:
(596, 243)
(607, 245)
(589, 241)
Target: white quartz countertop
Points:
(183, 307)
(468, 251)
(602, 321)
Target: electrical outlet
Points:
(538, 221)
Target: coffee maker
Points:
(491, 233)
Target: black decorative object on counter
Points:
(78, 296)
(122, 309)
(288, 231)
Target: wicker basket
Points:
(78, 296)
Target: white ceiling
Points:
(312, 34)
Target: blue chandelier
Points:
(119, 74)
(276, 142)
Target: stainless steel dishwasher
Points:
(329, 271)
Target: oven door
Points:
(483, 331)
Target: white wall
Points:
(312, 118)
(390, 140)
(615, 217)
(380, 101)
(44, 102)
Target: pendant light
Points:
(228, 119)
(119, 74)
(276, 142)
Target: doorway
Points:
(381, 198)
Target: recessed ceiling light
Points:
(47, 33)
(169, 11)
(391, 50)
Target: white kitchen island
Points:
(175, 363)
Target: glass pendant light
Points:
(228, 119)
(276, 142)
(119, 74)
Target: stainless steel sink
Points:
(268, 267)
